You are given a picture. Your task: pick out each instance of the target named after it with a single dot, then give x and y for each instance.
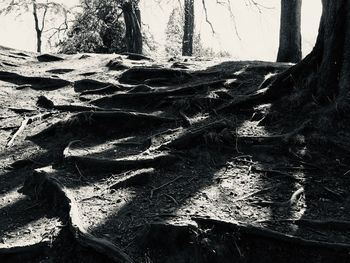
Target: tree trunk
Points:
(37, 27)
(133, 35)
(290, 32)
(318, 86)
(38, 41)
(187, 41)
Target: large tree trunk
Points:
(318, 87)
(132, 19)
(321, 81)
(290, 32)
(325, 72)
(327, 67)
(187, 41)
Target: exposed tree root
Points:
(218, 241)
(116, 64)
(89, 84)
(31, 253)
(273, 88)
(37, 83)
(24, 162)
(246, 229)
(195, 136)
(48, 58)
(134, 56)
(140, 74)
(110, 89)
(245, 102)
(192, 102)
(134, 179)
(101, 165)
(179, 65)
(46, 103)
(331, 224)
(42, 186)
(21, 54)
(141, 88)
(155, 97)
(116, 121)
(60, 70)
(22, 110)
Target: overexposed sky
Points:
(257, 31)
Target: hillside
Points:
(120, 158)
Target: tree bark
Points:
(290, 32)
(187, 41)
(133, 35)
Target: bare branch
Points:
(206, 17)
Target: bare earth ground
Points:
(145, 165)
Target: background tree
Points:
(41, 10)
(98, 28)
(318, 87)
(132, 20)
(188, 32)
(174, 33)
(290, 32)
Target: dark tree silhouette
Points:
(187, 41)
(132, 19)
(325, 71)
(290, 32)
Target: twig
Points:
(172, 199)
(186, 120)
(293, 200)
(334, 193)
(19, 131)
(346, 173)
(163, 185)
(256, 193)
(66, 150)
(24, 123)
(95, 196)
(271, 171)
(80, 173)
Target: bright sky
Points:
(257, 32)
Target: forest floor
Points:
(115, 158)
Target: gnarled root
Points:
(102, 165)
(42, 186)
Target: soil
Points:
(138, 164)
